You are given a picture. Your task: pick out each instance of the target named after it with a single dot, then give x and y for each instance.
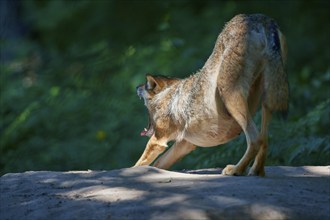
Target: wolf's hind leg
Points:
(175, 153)
(238, 107)
(257, 168)
(153, 149)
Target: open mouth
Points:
(148, 131)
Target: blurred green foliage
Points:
(68, 87)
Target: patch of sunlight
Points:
(106, 194)
(318, 170)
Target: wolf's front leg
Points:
(155, 146)
(175, 153)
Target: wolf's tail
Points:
(276, 87)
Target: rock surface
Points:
(151, 193)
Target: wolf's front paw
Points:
(231, 170)
(140, 163)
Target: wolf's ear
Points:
(151, 82)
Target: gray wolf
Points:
(245, 71)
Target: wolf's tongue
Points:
(144, 132)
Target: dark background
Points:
(69, 71)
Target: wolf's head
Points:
(153, 86)
(147, 91)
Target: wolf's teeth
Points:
(145, 129)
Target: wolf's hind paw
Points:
(231, 170)
(254, 172)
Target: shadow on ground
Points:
(151, 193)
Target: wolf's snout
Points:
(139, 90)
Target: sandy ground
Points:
(151, 193)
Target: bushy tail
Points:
(276, 87)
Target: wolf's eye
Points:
(147, 86)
